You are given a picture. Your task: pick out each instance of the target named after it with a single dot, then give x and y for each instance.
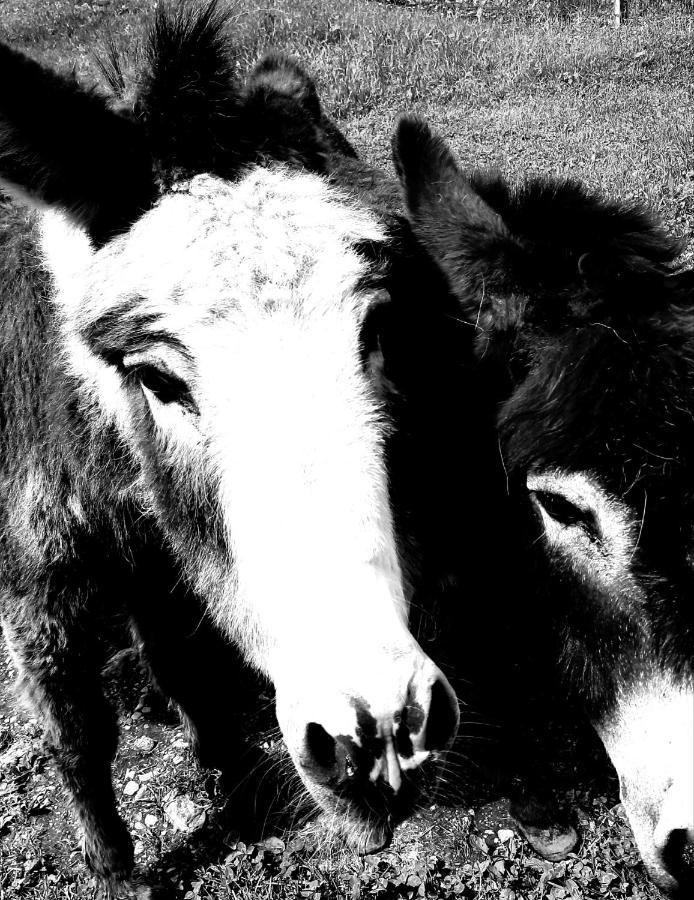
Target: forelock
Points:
(569, 256)
(275, 237)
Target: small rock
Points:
(150, 820)
(478, 843)
(180, 744)
(145, 776)
(184, 814)
(131, 788)
(138, 848)
(145, 744)
(505, 834)
(273, 845)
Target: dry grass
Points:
(520, 93)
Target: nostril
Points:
(678, 856)
(442, 721)
(320, 746)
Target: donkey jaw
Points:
(651, 745)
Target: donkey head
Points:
(589, 341)
(212, 310)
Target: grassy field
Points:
(525, 94)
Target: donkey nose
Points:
(332, 759)
(674, 838)
(444, 716)
(381, 748)
(677, 856)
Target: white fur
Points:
(650, 741)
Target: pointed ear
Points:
(424, 164)
(277, 80)
(283, 117)
(61, 146)
(461, 232)
(278, 75)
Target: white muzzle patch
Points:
(651, 745)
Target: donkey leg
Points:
(196, 667)
(58, 666)
(191, 663)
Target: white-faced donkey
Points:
(186, 397)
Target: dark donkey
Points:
(583, 333)
(188, 397)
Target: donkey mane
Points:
(557, 214)
(181, 84)
(563, 237)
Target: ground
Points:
(524, 92)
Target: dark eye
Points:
(567, 513)
(165, 386)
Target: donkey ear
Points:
(62, 147)
(461, 232)
(277, 75)
(424, 164)
(282, 115)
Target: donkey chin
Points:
(366, 762)
(651, 744)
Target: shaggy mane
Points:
(572, 251)
(182, 86)
(564, 217)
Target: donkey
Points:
(582, 330)
(190, 405)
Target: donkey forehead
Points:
(273, 239)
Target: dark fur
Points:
(584, 343)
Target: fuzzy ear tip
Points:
(411, 133)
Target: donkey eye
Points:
(566, 513)
(157, 378)
(167, 388)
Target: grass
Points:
(576, 98)
(528, 93)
